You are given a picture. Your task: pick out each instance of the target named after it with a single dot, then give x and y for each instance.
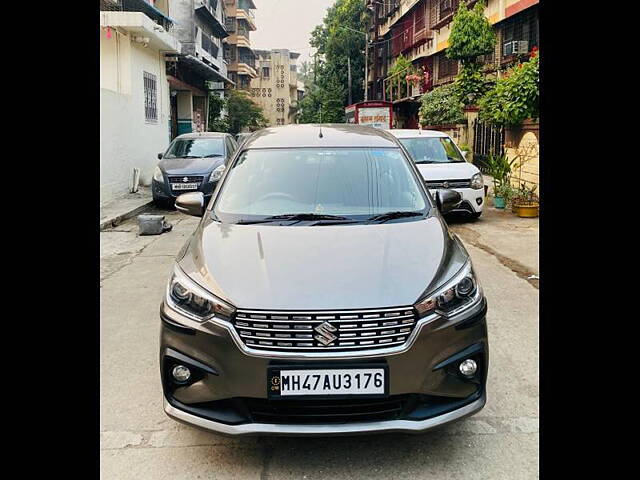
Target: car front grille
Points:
(189, 179)
(301, 331)
(449, 184)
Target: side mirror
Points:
(447, 200)
(160, 156)
(191, 203)
(465, 154)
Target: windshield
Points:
(196, 148)
(320, 184)
(432, 150)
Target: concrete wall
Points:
(524, 142)
(274, 93)
(126, 140)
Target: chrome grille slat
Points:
(354, 329)
(367, 347)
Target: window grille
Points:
(521, 27)
(150, 98)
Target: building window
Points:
(150, 98)
(265, 72)
(522, 29)
(446, 67)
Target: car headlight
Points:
(477, 182)
(217, 173)
(192, 300)
(157, 175)
(458, 294)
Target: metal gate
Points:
(487, 140)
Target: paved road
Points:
(139, 442)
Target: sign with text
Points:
(379, 117)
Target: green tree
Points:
(441, 106)
(235, 113)
(471, 36)
(515, 96)
(340, 37)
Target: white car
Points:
(443, 165)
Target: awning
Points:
(198, 66)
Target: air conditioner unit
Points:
(520, 46)
(517, 47)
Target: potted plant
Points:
(499, 167)
(526, 204)
(502, 195)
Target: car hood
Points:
(189, 166)
(447, 171)
(322, 267)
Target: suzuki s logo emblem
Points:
(325, 335)
(445, 184)
(185, 179)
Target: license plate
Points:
(184, 186)
(327, 382)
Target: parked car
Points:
(241, 137)
(322, 293)
(193, 162)
(443, 165)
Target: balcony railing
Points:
(210, 47)
(396, 88)
(247, 60)
(149, 10)
(442, 11)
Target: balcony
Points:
(248, 16)
(442, 12)
(141, 6)
(139, 24)
(396, 88)
(243, 68)
(207, 11)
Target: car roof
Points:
(413, 133)
(202, 135)
(320, 135)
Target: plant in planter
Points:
(499, 167)
(502, 195)
(526, 203)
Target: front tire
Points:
(475, 215)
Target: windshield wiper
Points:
(455, 160)
(383, 217)
(306, 216)
(428, 161)
(298, 217)
(213, 155)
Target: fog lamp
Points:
(182, 374)
(468, 367)
(465, 287)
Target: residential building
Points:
(200, 69)
(240, 22)
(419, 30)
(276, 87)
(135, 37)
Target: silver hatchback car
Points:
(322, 294)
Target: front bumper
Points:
(229, 379)
(277, 429)
(472, 200)
(162, 190)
